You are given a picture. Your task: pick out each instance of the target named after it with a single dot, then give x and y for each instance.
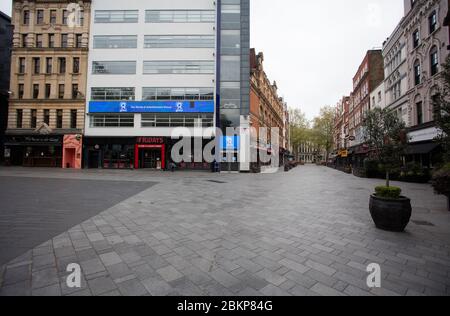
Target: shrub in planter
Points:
(389, 210)
(385, 134)
(388, 192)
(441, 182)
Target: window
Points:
(231, 17)
(435, 102)
(114, 67)
(417, 73)
(179, 41)
(26, 17)
(40, 17)
(73, 119)
(35, 91)
(49, 65)
(22, 65)
(416, 39)
(112, 120)
(53, 17)
(24, 40)
(419, 111)
(231, 68)
(65, 16)
(64, 40)
(20, 91)
(48, 90)
(434, 61)
(62, 65)
(19, 118)
(37, 65)
(115, 42)
(177, 94)
(230, 95)
(178, 67)
(116, 16)
(76, 65)
(177, 120)
(59, 118)
(79, 40)
(432, 22)
(81, 18)
(39, 42)
(112, 94)
(51, 40)
(47, 117)
(61, 90)
(33, 122)
(74, 91)
(180, 16)
(231, 42)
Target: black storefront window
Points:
(109, 153)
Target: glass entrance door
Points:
(150, 158)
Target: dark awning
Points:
(420, 149)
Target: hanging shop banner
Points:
(151, 107)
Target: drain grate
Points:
(216, 181)
(423, 223)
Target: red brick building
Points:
(369, 76)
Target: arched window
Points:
(434, 61)
(417, 73)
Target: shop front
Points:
(34, 150)
(150, 153)
(109, 153)
(72, 151)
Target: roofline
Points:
(5, 16)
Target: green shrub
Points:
(388, 192)
(441, 180)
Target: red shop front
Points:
(150, 153)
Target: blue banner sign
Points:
(230, 143)
(151, 107)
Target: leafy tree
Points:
(300, 128)
(323, 129)
(384, 133)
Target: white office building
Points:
(155, 66)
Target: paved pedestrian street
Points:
(306, 232)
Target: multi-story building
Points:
(5, 57)
(395, 52)
(368, 77)
(378, 97)
(48, 81)
(427, 39)
(341, 133)
(267, 110)
(156, 66)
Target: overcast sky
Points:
(312, 48)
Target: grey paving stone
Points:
(272, 290)
(157, 286)
(101, 285)
(45, 277)
(324, 290)
(132, 288)
(92, 266)
(169, 273)
(52, 290)
(110, 258)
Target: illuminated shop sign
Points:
(151, 107)
(230, 143)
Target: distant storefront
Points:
(34, 151)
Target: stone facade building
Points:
(395, 51)
(5, 57)
(267, 109)
(427, 39)
(48, 82)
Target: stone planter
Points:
(390, 214)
